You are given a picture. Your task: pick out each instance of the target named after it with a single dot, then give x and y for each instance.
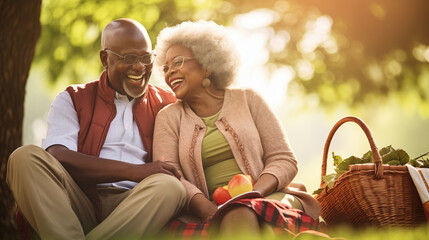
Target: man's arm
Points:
(86, 169)
(61, 142)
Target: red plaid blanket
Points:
(279, 215)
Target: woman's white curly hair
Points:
(210, 45)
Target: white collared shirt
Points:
(123, 141)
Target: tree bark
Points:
(20, 29)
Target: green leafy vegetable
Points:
(367, 157)
(385, 150)
(398, 155)
(420, 161)
(389, 155)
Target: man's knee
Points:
(23, 156)
(166, 186)
(26, 160)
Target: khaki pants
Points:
(57, 208)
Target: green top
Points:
(220, 166)
(218, 161)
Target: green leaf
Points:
(318, 191)
(394, 163)
(416, 163)
(399, 155)
(329, 177)
(367, 157)
(353, 160)
(337, 159)
(342, 166)
(386, 150)
(420, 161)
(339, 173)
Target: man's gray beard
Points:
(130, 93)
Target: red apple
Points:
(239, 184)
(221, 195)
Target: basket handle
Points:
(378, 166)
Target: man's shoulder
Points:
(83, 94)
(76, 88)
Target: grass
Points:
(421, 232)
(418, 233)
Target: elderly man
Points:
(94, 176)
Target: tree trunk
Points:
(20, 29)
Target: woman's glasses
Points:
(131, 59)
(176, 64)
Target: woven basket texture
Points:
(370, 194)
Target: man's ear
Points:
(103, 58)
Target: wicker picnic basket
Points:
(370, 194)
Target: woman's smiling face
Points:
(182, 72)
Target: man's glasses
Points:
(131, 59)
(176, 64)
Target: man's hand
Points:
(145, 170)
(86, 169)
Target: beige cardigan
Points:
(255, 134)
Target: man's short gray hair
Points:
(210, 45)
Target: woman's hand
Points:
(202, 207)
(266, 184)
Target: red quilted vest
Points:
(95, 107)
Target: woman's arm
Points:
(202, 207)
(266, 184)
(279, 160)
(166, 148)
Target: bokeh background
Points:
(313, 61)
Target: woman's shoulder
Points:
(249, 94)
(242, 91)
(171, 109)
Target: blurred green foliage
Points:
(350, 53)
(353, 53)
(71, 30)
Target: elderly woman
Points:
(213, 132)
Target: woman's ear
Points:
(103, 58)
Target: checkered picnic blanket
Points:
(279, 215)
